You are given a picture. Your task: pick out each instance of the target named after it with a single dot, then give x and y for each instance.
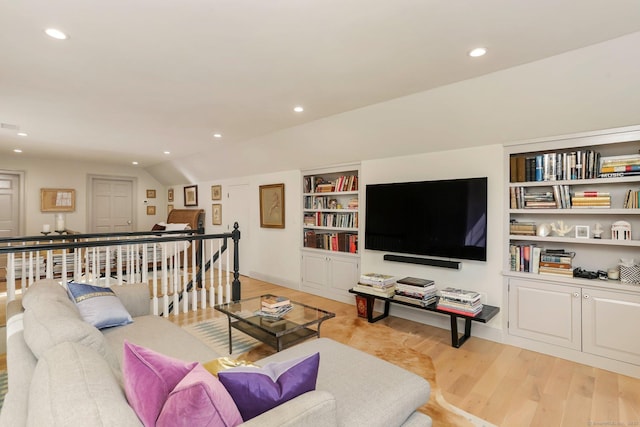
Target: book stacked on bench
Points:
(460, 301)
(381, 285)
(416, 291)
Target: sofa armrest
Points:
(312, 409)
(135, 297)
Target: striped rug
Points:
(215, 334)
(4, 382)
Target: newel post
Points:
(235, 285)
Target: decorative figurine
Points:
(597, 231)
(621, 230)
(560, 229)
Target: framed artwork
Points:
(272, 206)
(216, 192)
(57, 200)
(170, 195)
(151, 210)
(216, 214)
(169, 208)
(151, 194)
(582, 231)
(191, 195)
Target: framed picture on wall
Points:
(191, 195)
(272, 206)
(216, 214)
(169, 208)
(170, 195)
(216, 192)
(151, 210)
(57, 200)
(151, 194)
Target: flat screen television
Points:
(444, 218)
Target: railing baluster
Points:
(220, 271)
(212, 300)
(154, 282)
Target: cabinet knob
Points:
(576, 294)
(586, 296)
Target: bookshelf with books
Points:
(330, 230)
(563, 198)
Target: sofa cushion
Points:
(98, 306)
(73, 385)
(44, 329)
(256, 390)
(149, 377)
(42, 292)
(199, 400)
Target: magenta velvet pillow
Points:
(256, 390)
(199, 400)
(149, 377)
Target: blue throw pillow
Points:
(256, 390)
(98, 306)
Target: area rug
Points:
(4, 381)
(215, 334)
(394, 347)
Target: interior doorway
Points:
(11, 200)
(111, 204)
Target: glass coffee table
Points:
(300, 323)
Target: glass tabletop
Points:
(300, 315)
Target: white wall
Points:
(483, 277)
(42, 173)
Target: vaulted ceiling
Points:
(137, 78)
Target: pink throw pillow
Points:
(149, 377)
(200, 400)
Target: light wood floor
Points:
(504, 385)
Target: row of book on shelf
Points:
(529, 258)
(420, 292)
(327, 202)
(316, 184)
(324, 219)
(340, 242)
(559, 198)
(574, 165)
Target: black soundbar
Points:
(424, 261)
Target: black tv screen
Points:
(445, 218)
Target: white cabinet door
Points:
(549, 313)
(314, 270)
(343, 273)
(609, 321)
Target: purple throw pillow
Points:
(199, 400)
(256, 390)
(149, 377)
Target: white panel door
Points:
(344, 273)
(111, 205)
(314, 270)
(546, 312)
(608, 324)
(9, 205)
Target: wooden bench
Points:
(487, 313)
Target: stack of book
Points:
(556, 261)
(381, 285)
(274, 307)
(615, 166)
(522, 228)
(590, 199)
(460, 301)
(416, 291)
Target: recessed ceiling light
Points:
(479, 51)
(134, 163)
(298, 109)
(56, 34)
(167, 152)
(22, 134)
(17, 150)
(217, 135)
